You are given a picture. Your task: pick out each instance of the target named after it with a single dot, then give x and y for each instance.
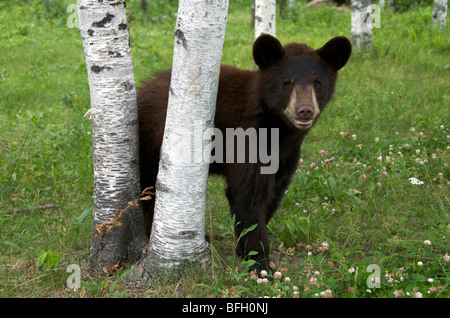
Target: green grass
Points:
(390, 103)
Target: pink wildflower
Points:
(313, 281)
(326, 294)
(263, 281)
(277, 275)
(324, 246)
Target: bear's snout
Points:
(305, 116)
(305, 112)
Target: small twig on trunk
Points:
(40, 207)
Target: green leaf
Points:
(84, 215)
(42, 256)
(126, 272)
(332, 183)
(12, 245)
(371, 187)
(245, 231)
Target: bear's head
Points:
(297, 80)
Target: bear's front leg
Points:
(249, 201)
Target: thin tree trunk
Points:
(265, 17)
(118, 233)
(178, 231)
(439, 17)
(253, 13)
(392, 5)
(144, 5)
(361, 24)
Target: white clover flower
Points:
(420, 263)
(415, 181)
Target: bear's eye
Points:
(317, 84)
(287, 84)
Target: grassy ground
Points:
(389, 122)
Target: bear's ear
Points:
(336, 52)
(267, 50)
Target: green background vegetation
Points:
(367, 210)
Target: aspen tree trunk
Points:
(392, 5)
(118, 232)
(265, 17)
(439, 17)
(253, 13)
(178, 231)
(361, 24)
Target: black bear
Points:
(284, 96)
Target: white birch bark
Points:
(178, 231)
(265, 17)
(439, 17)
(361, 24)
(105, 36)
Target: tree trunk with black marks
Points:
(361, 24)
(265, 17)
(439, 17)
(178, 232)
(118, 232)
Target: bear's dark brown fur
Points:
(288, 92)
